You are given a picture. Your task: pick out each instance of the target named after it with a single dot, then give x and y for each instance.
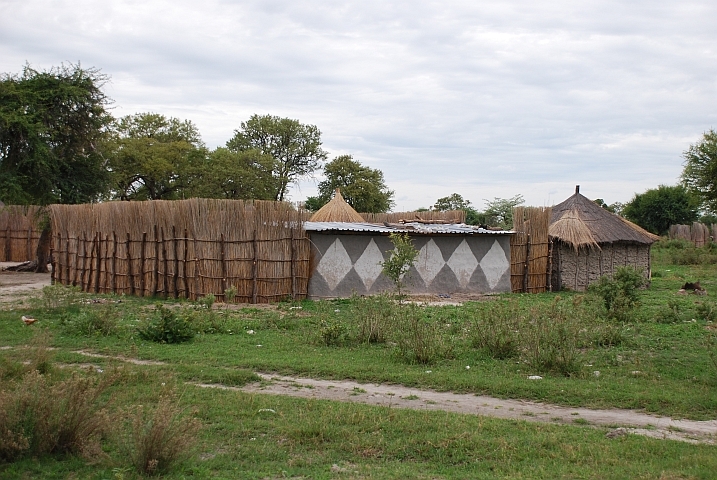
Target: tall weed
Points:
(419, 340)
(166, 327)
(373, 318)
(497, 330)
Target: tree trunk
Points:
(43, 250)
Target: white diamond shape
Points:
(494, 264)
(368, 266)
(429, 261)
(463, 263)
(335, 264)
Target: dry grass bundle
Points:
(337, 210)
(186, 248)
(572, 230)
(530, 249)
(450, 216)
(19, 232)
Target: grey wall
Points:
(350, 263)
(579, 269)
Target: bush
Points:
(91, 322)
(157, 439)
(39, 417)
(373, 316)
(60, 296)
(671, 314)
(497, 331)
(619, 293)
(333, 332)
(417, 339)
(706, 311)
(166, 327)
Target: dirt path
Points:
(16, 286)
(397, 396)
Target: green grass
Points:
(661, 364)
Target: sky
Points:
(482, 98)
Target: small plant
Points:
(373, 316)
(230, 294)
(619, 293)
(90, 322)
(706, 311)
(166, 327)
(207, 301)
(498, 331)
(402, 258)
(672, 313)
(59, 296)
(333, 332)
(419, 341)
(159, 438)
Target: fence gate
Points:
(530, 250)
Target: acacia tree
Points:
(700, 172)
(362, 187)
(52, 126)
(658, 208)
(234, 175)
(294, 146)
(153, 157)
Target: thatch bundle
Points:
(571, 229)
(337, 210)
(450, 216)
(19, 233)
(184, 248)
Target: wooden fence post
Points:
(196, 271)
(176, 263)
(84, 256)
(255, 271)
(29, 244)
(293, 267)
(165, 277)
(527, 263)
(142, 268)
(114, 262)
(77, 260)
(155, 286)
(550, 265)
(105, 257)
(186, 256)
(8, 245)
(99, 262)
(223, 266)
(54, 263)
(129, 267)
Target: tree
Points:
(362, 187)
(657, 209)
(52, 126)
(615, 208)
(456, 201)
(295, 147)
(234, 175)
(402, 258)
(700, 170)
(153, 157)
(499, 211)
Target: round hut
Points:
(589, 242)
(337, 210)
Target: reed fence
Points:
(450, 216)
(187, 248)
(19, 233)
(530, 250)
(698, 233)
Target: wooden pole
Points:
(84, 256)
(91, 266)
(255, 271)
(29, 244)
(196, 271)
(114, 262)
(52, 259)
(176, 263)
(142, 268)
(99, 262)
(223, 266)
(165, 277)
(77, 261)
(293, 267)
(8, 246)
(129, 267)
(67, 258)
(527, 263)
(155, 286)
(186, 256)
(106, 259)
(550, 265)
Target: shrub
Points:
(417, 339)
(706, 311)
(373, 317)
(552, 335)
(619, 293)
(671, 314)
(90, 322)
(38, 417)
(60, 296)
(333, 332)
(497, 331)
(155, 440)
(166, 327)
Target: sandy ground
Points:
(18, 286)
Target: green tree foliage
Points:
(362, 187)
(657, 209)
(153, 157)
(295, 147)
(615, 208)
(456, 201)
(700, 170)
(499, 211)
(234, 175)
(52, 125)
(402, 258)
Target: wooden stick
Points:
(165, 277)
(223, 266)
(527, 261)
(8, 247)
(155, 285)
(99, 262)
(293, 267)
(130, 277)
(255, 271)
(114, 262)
(142, 268)
(196, 271)
(54, 264)
(29, 244)
(77, 259)
(84, 256)
(175, 280)
(186, 254)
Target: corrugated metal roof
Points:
(413, 227)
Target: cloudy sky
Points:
(483, 98)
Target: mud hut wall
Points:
(579, 268)
(350, 263)
(186, 248)
(19, 233)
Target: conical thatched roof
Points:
(337, 210)
(580, 222)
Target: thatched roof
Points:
(337, 210)
(580, 222)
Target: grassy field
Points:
(655, 357)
